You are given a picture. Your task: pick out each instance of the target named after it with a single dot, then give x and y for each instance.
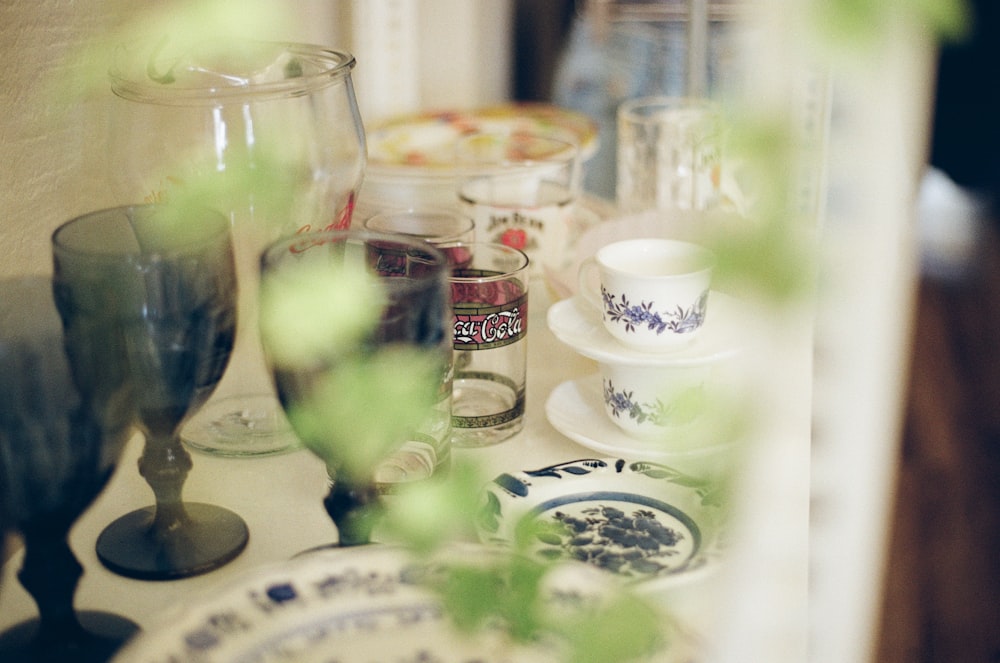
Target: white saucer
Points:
(575, 408)
(575, 323)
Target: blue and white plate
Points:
(357, 605)
(643, 521)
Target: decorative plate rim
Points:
(651, 486)
(545, 118)
(329, 594)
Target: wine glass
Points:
(64, 419)
(356, 327)
(165, 275)
(270, 135)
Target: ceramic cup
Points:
(653, 401)
(652, 293)
(521, 189)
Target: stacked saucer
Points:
(661, 402)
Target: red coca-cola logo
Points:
(480, 330)
(341, 222)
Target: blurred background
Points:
(927, 586)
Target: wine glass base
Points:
(212, 537)
(103, 635)
(246, 425)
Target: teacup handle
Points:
(585, 286)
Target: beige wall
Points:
(52, 154)
(46, 177)
(52, 159)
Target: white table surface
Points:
(280, 497)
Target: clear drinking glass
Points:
(436, 225)
(489, 296)
(268, 134)
(357, 331)
(669, 154)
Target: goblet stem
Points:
(354, 508)
(165, 465)
(50, 574)
(173, 538)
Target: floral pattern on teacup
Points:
(623, 403)
(680, 321)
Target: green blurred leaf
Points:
(169, 26)
(952, 20)
(626, 629)
(427, 513)
(857, 25)
(314, 309)
(365, 406)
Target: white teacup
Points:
(654, 401)
(652, 293)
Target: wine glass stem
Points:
(354, 509)
(50, 574)
(165, 464)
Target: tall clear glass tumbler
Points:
(489, 297)
(669, 154)
(268, 134)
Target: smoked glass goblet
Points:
(165, 276)
(268, 134)
(357, 329)
(65, 416)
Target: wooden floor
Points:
(942, 601)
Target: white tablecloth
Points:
(280, 497)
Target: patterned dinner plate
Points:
(357, 605)
(642, 521)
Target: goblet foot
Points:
(210, 537)
(253, 425)
(100, 636)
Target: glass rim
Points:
(522, 266)
(280, 247)
(59, 244)
(335, 65)
(630, 108)
(423, 212)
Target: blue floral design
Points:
(633, 544)
(622, 403)
(680, 321)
